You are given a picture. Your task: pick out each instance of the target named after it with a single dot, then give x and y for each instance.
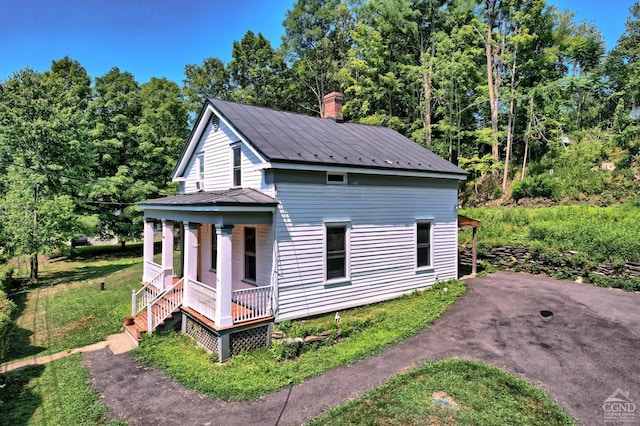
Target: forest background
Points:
(517, 93)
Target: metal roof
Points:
(295, 138)
(227, 197)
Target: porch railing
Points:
(151, 269)
(150, 291)
(251, 303)
(201, 298)
(161, 307)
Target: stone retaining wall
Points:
(566, 264)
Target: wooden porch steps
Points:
(139, 326)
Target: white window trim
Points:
(200, 164)
(347, 251)
(342, 182)
(244, 257)
(431, 222)
(234, 146)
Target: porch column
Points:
(147, 247)
(190, 256)
(167, 252)
(223, 276)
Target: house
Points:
(286, 216)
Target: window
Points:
(250, 254)
(336, 255)
(336, 178)
(214, 248)
(423, 244)
(200, 165)
(237, 166)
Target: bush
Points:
(7, 307)
(537, 186)
(6, 278)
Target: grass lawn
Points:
(67, 309)
(369, 330)
(484, 395)
(57, 393)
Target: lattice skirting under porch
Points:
(205, 337)
(246, 340)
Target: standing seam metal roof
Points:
(288, 137)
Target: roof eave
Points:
(389, 171)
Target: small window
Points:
(200, 166)
(237, 166)
(336, 254)
(337, 178)
(214, 248)
(250, 254)
(423, 244)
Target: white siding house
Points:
(286, 216)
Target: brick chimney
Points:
(332, 106)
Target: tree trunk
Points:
(122, 244)
(493, 89)
(526, 138)
(34, 238)
(511, 123)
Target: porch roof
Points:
(229, 197)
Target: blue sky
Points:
(157, 38)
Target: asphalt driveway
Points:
(580, 355)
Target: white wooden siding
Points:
(382, 243)
(218, 159)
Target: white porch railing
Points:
(150, 291)
(201, 298)
(251, 303)
(151, 270)
(160, 308)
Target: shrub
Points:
(7, 307)
(536, 186)
(6, 278)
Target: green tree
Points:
(46, 159)
(258, 72)
(211, 79)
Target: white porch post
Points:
(147, 248)
(190, 256)
(167, 252)
(223, 276)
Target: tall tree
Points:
(115, 114)
(258, 72)
(316, 42)
(211, 79)
(46, 158)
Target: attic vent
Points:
(337, 178)
(215, 122)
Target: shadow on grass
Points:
(20, 338)
(80, 274)
(17, 399)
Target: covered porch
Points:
(226, 255)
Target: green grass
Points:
(57, 393)
(261, 371)
(485, 396)
(604, 234)
(67, 309)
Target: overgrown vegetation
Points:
(605, 234)
(484, 395)
(57, 393)
(594, 235)
(247, 376)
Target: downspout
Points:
(274, 267)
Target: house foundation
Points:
(228, 341)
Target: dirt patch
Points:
(443, 400)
